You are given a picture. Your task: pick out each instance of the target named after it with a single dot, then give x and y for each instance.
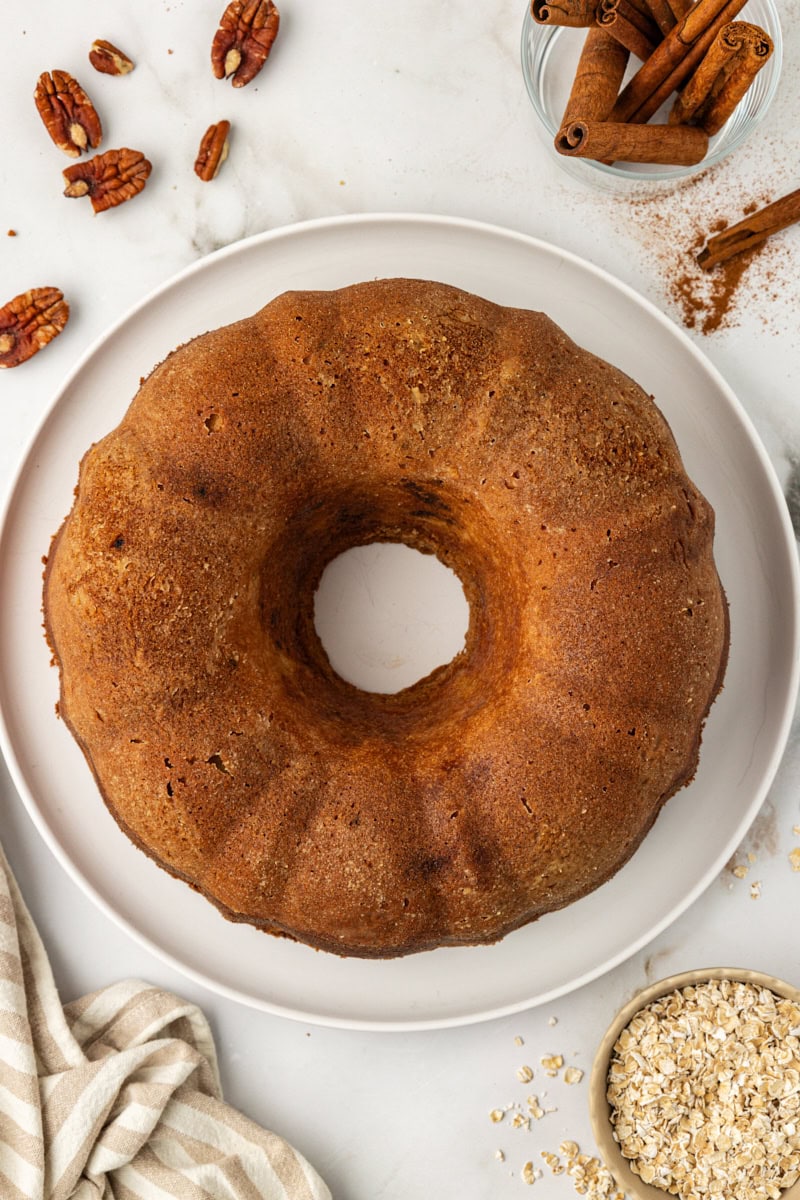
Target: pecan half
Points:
(29, 322)
(108, 60)
(246, 32)
(68, 114)
(213, 151)
(108, 179)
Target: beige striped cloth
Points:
(117, 1096)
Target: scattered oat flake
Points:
(796, 829)
(553, 1162)
(496, 1115)
(519, 1121)
(751, 858)
(552, 1063)
(740, 872)
(794, 858)
(590, 1177)
(528, 1173)
(525, 1074)
(552, 1021)
(755, 889)
(518, 1041)
(500, 1156)
(534, 1108)
(573, 1075)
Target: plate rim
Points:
(769, 476)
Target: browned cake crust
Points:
(511, 782)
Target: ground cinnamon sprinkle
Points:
(674, 228)
(707, 303)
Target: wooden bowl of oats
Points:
(695, 1088)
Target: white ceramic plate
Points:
(699, 828)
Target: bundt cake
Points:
(179, 598)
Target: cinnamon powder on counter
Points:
(706, 303)
(674, 228)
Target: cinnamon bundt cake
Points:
(179, 599)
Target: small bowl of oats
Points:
(695, 1089)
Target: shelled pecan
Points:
(213, 151)
(68, 114)
(108, 179)
(29, 322)
(108, 60)
(246, 32)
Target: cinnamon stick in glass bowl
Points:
(575, 13)
(563, 73)
(662, 14)
(608, 141)
(679, 8)
(637, 32)
(598, 77)
(674, 60)
(733, 60)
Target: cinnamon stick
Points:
(674, 59)
(605, 141)
(717, 60)
(644, 8)
(575, 13)
(636, 32)
(663, 15)
(633, 12)
(733, 60)
(752, 231)
(756, 50)
(598, 77)
(679, 8)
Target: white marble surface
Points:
(372, 106)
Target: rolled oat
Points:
(704, 1088)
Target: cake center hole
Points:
(388, 615)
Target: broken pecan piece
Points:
(213, 151)
(108, 60)
(29, 322)
(108, 179)
(246, 32)
(68, 114)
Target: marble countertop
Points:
(377, 107)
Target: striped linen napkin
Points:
(117, 1095)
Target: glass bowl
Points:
(599, 1108)
(550, 55)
